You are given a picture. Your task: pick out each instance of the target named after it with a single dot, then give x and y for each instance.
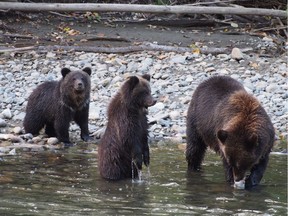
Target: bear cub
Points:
(223, 116)
(124, 144)
(54, 104)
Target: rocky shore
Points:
(174, 78)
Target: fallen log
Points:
(177, 9)
(146, 46)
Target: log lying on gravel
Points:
(146, 46)
(177, 9)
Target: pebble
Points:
(236, 54)
(12, 152)
(174, 77)
(36, 139)
(6, 113)
(2, 123)
(178, 59)
(174, 115)
(267, 39)
(52, 141)
(17, 130)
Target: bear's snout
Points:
(79, 85)
(151, 102)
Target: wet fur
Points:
(223, 116)
(126, 135)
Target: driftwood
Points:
(284, 28)
(177, 9)
(146, 46)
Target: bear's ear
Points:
(146, 76)
(133, 81)
(65, 71)
(222, 135)
(87, 70)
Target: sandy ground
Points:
(23, 30)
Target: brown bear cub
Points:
(125, 140)
(223, 116)
(54, 104)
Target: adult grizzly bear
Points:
(54, 104)
(125, 140)
(223, 116)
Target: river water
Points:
(67, 182)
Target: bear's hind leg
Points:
(137, 154)
(196, 148)
(49, 130)
(32, 124)
(61, 126)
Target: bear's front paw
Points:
(251, 182)
(86, 138)
(138, 162)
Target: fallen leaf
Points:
(254, 65)
(161, 57)
(196, 51)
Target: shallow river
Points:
(67, 182)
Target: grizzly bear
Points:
(124, 145)
(223, 116)
(54, 104)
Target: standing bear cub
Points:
(223, 116)
(124, 145)
(55, 104)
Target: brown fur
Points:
(246, 114)
(223, 116)
(125, 140)
(55, 104)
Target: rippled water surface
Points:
(67, 182)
